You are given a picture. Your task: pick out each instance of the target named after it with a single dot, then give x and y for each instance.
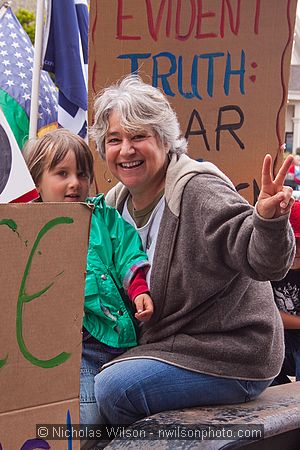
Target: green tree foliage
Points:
(27, 20)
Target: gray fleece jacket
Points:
(214, 309)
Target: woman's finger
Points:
(280, 177)
(288, 200)
(266, 174)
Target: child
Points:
(61, 165)
(287, 297)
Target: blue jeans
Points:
(94, 355)
(131, 390)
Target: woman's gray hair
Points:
(140, 105)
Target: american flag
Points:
(66, 55)
(16, 62)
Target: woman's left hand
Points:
(275, 199)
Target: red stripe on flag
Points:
(28, 197)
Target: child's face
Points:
(64, 183)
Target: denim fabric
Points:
(130, 390)
(94, 355)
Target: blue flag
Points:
(16, 63)
(66, 55)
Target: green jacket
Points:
(114, 255)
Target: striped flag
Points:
(66, 54)
(16, 67)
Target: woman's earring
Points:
(106, 178)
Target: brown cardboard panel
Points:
(18, 428)
(43, 258)
(224, 65)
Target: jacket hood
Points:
(181, 169)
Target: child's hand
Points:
(144, 307)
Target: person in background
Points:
(287, 298)
(216, 336)
(293, 175)
(61, 165)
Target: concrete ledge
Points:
(277, 409)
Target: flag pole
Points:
(38, 44)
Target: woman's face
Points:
(138, 160)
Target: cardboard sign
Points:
(16, 183)
(43, 259)
(224, 65)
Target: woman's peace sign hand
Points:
(275, 199)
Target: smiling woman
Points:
(211, 255)
(136, 158)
